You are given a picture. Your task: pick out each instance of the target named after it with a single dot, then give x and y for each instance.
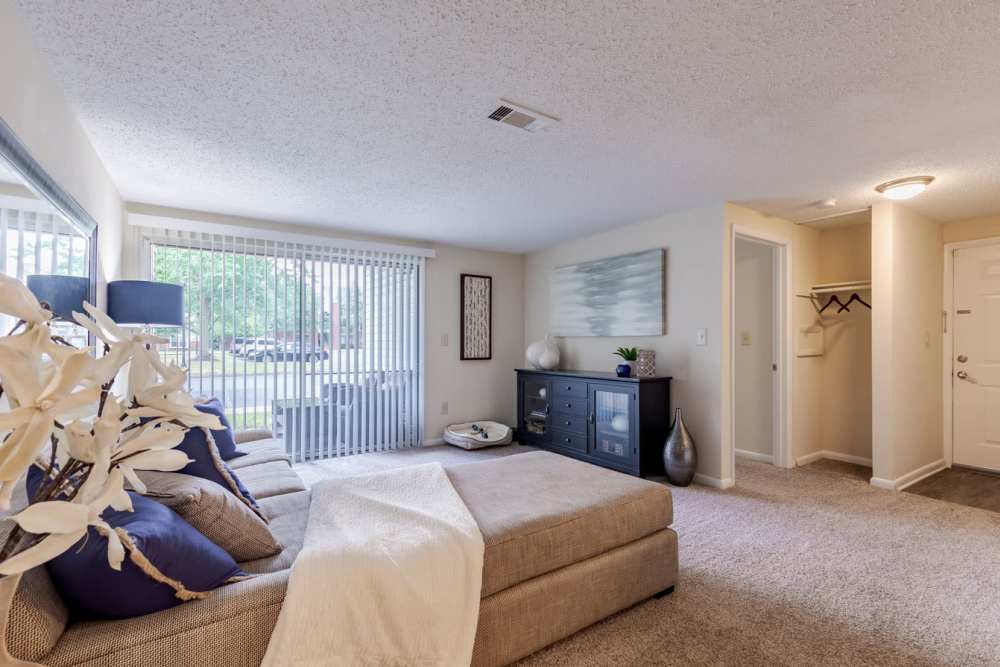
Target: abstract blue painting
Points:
(615, 296)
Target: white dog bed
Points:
(476, 435)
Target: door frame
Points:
(947, 348)
(781, 417)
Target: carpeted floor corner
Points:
(812, 567)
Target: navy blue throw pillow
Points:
(159, 538)
(224, 440)
(208, 464)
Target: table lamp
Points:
(63, 294)
(142, 303)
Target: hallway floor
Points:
(963, 486)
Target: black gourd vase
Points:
(680, 457)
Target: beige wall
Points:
(694, 285)
(805, 401)
(846, 417)
(472, 389)
(754, 311)
(970, 230)
(907, 265)
(34, 107)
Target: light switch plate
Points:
(746, 338)
(444, 340)
(701, 337)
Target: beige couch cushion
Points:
(260, 451)
(287, 515)
(270, 479)
(214, 512)
(541, 511)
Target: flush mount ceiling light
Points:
(904, 188)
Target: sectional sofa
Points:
(567, 544)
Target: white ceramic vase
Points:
(543, 354)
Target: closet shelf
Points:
(830, 288)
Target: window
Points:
(318, 344)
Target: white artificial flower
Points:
(17, 301)
(125, 346)
(66, 524)
(54, 391)
(32, 423)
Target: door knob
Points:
(962, 375)
(961, 358)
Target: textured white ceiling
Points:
(372, 115)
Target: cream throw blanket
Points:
(389, 574)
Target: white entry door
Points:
(976, 357)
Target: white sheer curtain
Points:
(319, 344)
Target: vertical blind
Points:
(318, 344)
(33, 241)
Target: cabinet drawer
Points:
(567, 421)
(570, 388)
(576, 442)
(570, 405)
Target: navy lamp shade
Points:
(64, 294)
(133, 303)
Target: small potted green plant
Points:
(628, 355)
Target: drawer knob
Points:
(569, 387)
(567, 422)
(569, 405)
(567, 439)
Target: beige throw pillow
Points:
(214, 512)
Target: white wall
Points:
(907, 269)
(846, 417)
(472, 389)
(754, 310)
(34, 107)
(694, 285)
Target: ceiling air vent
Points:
(521, 117)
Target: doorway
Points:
(758, 315)
(972, 355)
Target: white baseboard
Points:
(833, 456)
(920, 473)
(714, 482)
(847, 458)
(755, 456)
(909, 478)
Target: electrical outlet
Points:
(444, 340)
(444, 407)
(701, 337)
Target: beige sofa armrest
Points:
(251, 435)
(234, 619)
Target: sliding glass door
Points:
(319, 345)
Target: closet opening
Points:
(836, 349)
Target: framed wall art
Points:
(477, 317)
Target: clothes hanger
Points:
(834, 299)
(854, 297)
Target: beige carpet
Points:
(812, 567)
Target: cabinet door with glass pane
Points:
(535, 395)
(613, 423)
